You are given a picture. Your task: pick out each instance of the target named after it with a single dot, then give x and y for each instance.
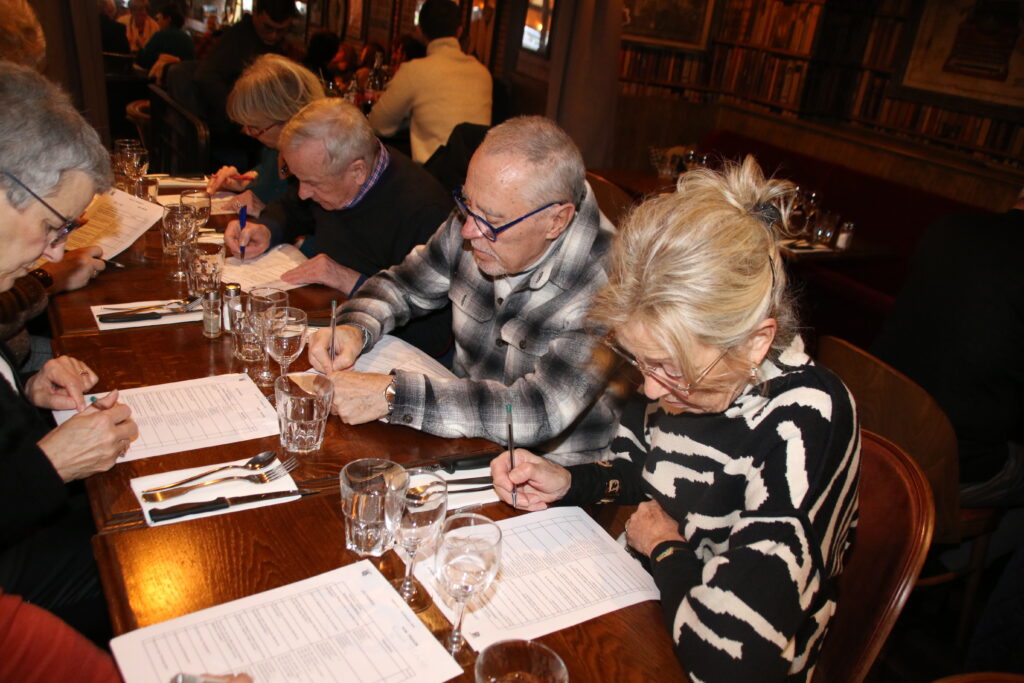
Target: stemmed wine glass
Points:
(466, 563)
(261, 300)
(178, 231)
(285, 334)
(199, 201)
(419, 508)
(136, 163)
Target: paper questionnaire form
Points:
(115, 219)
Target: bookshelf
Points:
(829, 61)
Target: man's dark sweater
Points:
(403, 209)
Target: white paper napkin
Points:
(97, 311)
(205, 493)
(457, 501)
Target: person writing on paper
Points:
(51, 164)
(742, 453)
(269, 92)
(520, 261)
(361, 207)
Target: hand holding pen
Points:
(511, 448)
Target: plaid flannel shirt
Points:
(529, 349)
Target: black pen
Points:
(114, 264)
(334, 326)
(511, 448)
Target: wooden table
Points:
(154, 574)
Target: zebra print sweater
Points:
(765, 494)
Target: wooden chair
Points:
(180, 140)
(893, 533)
(613, 201)
(891, 404)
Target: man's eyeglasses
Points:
(256, 132)
(67, 225)
(490, 232)
(660, 374)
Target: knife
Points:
(222, 503)
(132, 317)
(455, 462)
(469, 480)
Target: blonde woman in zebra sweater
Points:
(742, 453)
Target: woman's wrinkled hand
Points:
(538, 482)
(92, 440)
(649, 526)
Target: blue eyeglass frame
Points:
(490, 232)
(67, 224)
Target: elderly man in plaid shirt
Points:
(520, 260)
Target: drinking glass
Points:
(418, 510)
(519, 660)
(199, 201)
(303, 405)
(205, 264)
(177, 232)
(245, 331)
(118, 161)
(285, 334)
(136, 163)
(466, 562)
(261, 300)
(364, 487)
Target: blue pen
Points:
(241, 223)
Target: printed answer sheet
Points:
(264, 270)
(559, 568)
(196, 413)
(391, 353)
(348, 625)
(115, 221)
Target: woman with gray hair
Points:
(742, 453)
(269, 93)
(51, 165)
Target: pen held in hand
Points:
(334, 326)
(242, 215)
(114, 264)
(511, 448)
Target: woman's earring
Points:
(753, 374)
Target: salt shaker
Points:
(232, 291)
(845, 236)
(211, 314)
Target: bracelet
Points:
(677, 546)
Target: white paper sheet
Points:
(559, 568)
(391, 353)
(97, 311)
(196, 413)
(459, 501)
(348, 625)
(239, 487)
(264, 270)
(115, 220)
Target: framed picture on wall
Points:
(968, 50)
(677, 23)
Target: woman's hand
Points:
(60, 384)
(91, 441)
(649, 526)
(538, 481)
(76, 269)
(228, 178)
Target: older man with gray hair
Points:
(520, 261)
(360, 205)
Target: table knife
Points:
(222, 503)
(133, 317)
(469, 480)
(455, 462)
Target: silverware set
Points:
(179, 306)
(264, 475)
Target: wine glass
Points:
(285, 334)
(199, 201)
(466, 563)
(177, 231)
(136, 163)
(261, 300)
(119, 163)
(419, 508)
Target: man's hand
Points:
(60, 383)
(322, 270)
(228, 178)
(359, 396)
(91, 441)
(649, 526)
(250, 201)
(255, 238)
(76, 268)
(538, 481)
(348, 344)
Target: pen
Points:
(241, 223)
(114, 264)
(511, 448)
(334, 325)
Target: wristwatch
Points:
(389, 396)
(45, 279)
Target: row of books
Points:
(667, 66)
(883, 43)
(758, 74)
(869, 95)
(775, 24)
(663, 92)
(1001, 137)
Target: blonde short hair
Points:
(702, 264)
(272, 87)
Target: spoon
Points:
(256, 462)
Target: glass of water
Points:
(285, 334)
(466, 563)
(416, 513)
(364, 488)
(303, 405)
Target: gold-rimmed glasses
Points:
(659, 373)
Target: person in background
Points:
(256, 34)
(52, 165)
(171, 39)
(367, 58)
(434, 94)
(361, 205)
(343, 66)
(141, 27)
(113, 34)
(323, 46)
(520, 261)
(21, 37)
(269, 93)
(406, 49)
(742, 454)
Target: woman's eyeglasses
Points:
(67, 225)
(660, 374)
(256, 132)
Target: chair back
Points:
(893, 405)
(893, 532)
(180, 141)
(613, 201)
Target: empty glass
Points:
(364, 488)
(416, 511)
(303, 405)
(177, 232)
(520, 660)
(246, 332)
(261, 300)
(285, 334)
(135, 160)
(466, 563)
(199, 201)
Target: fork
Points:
(265, 477)
(179, 306)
